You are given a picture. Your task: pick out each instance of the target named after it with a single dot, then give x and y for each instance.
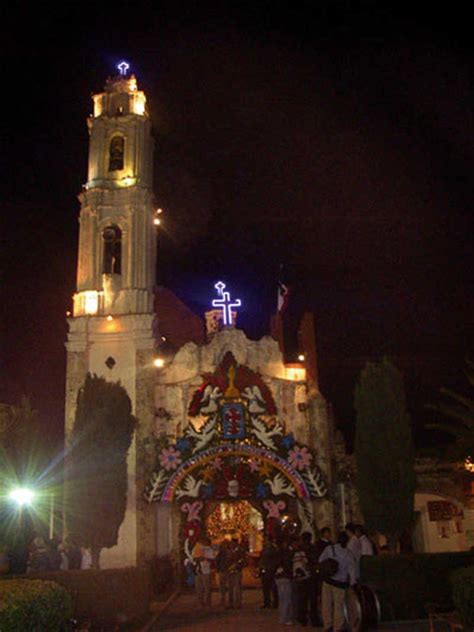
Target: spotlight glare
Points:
(159, 363)
(22, 496)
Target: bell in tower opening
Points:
(116, 151)
(112, 237)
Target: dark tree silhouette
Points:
(96, 494)
(384, 451)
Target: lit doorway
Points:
(238, 519)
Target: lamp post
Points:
(22, 497)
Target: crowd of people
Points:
(305, 580)
(43, 554)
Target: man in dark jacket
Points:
(268, 564)
(322, 542)
(222, 566)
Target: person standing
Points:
(202, 555)
(222, 566)
(313, 551)
(367, 547)
(334, 587)
(237, 562)
(354, 545)
(301, 580)
(322, 542)
(284, 582)
(268, 564)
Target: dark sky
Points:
(336, 137)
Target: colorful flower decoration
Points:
(217, 463)
(183, 444)
(170, 458)
(254, 465)
(208, 490)
(193, 510)
(299, 457)
(273, 508)
(288, 441)
(192, 530)
(261, 490)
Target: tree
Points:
(96, 494)
(384, 451)
(460, 412)
(20, 430)
(25, 457)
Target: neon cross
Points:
(219, 287)
(225, 302)
(123, 67)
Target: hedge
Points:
(462, 581)
(406, 583)
(33, 605)
(105, 595)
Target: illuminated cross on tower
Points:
(225, 303)
(123, 67)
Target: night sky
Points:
(334, 137)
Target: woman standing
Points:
(284, 582)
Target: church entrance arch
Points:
(236, 456)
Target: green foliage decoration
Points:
(384, 451)
(462, 581)
(96, 490)
(34, 605)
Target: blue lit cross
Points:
(225, 302)
(123, 68)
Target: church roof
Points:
(176, 322)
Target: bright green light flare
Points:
(21, 496)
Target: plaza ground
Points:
(184, 615)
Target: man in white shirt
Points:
(203, 553)
(366, 545)
(354, 545)
(334, 587)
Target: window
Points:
(116, 152)
(112, 263)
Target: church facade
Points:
(230, 439)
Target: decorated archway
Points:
(235, 449)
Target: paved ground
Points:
(184, 615)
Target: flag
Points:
(283, 294)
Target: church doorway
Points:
(242, 520)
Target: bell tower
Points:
(111, 330)
(116, 266)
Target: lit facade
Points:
(276, 456)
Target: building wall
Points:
(129, 341)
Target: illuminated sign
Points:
(225, 303)
(123, 68)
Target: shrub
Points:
(33, 605)
(462, 581)
(105, 594)
(406, 583)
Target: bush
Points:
(406, 583)
(33, 605)
(105, 594)
(462, 581)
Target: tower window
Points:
(112, 237)
(116, 152)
